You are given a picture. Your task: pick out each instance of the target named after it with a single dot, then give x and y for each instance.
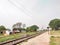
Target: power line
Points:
(18, 7)
(23, 7)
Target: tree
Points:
(19, 26)
(32, 28)
(2, 28)
(55, 24)
(28, 29)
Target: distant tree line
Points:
(21, 27)
(54, 24)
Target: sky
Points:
(29, 12)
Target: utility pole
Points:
(48, 30)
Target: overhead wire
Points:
(18, 7)
(24, 7)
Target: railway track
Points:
(22, 39)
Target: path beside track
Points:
(42, 39)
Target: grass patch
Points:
(15, 36)
(55, 32)
(54, 40)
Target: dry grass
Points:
(55, 39)
(55, 32)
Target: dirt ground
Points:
(42, 39)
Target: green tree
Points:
(2, 28)
(28, 29)
(32, 28)
(55, 24)
(19, 26)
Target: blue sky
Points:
(30, 12)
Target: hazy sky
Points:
(38, 12)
